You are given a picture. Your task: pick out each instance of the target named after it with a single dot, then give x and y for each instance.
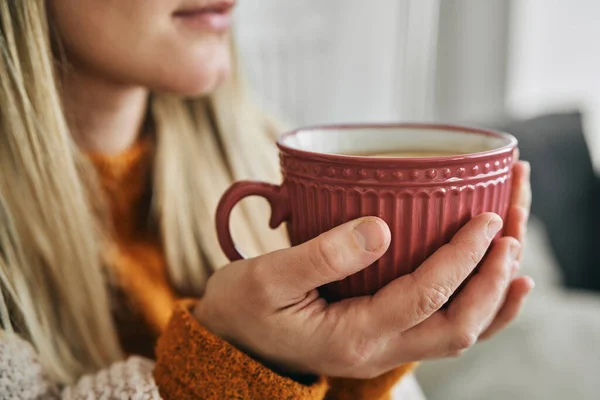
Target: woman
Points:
(121, 123)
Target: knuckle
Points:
(356, 355)
(353, 351)
(326, 257)
(522, 212)
(468, 251)
(505, 245)
(473, 256)
(508, 241)
(256, 285)
(462, 340)
(432, 299)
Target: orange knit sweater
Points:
(191, 363)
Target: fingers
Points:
(520, 203)
(471, 311)
(521, 186)
(517, 292)
(516, 223)
(521, 195)
(481, 298)
(411, 299)
(290, 274)
(516, 226)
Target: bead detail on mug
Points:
(398, 175)
(389, 174)
(431, 173)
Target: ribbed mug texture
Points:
(423, 207)
(424, 201)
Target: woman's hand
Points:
(269, 305)
(516, 224)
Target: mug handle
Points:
(276, 196)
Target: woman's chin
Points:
(197, 84)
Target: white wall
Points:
(555, 61)
(323, 61)
(471, 61)
(318, 61)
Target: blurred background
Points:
(529, 67)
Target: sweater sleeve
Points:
(189, 356)
(191, 363)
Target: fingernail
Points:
(370, 235)
(515, 250)
(494, 226)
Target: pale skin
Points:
(269, 305)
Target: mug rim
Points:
(511, 144)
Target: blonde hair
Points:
(53, 285)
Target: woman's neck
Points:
(103, 116)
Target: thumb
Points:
(330, 257)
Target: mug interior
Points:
(362, 140)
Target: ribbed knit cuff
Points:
(193, 363)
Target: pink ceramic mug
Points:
(424, 180)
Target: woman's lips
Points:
(215, 17)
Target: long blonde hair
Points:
(53, 284)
